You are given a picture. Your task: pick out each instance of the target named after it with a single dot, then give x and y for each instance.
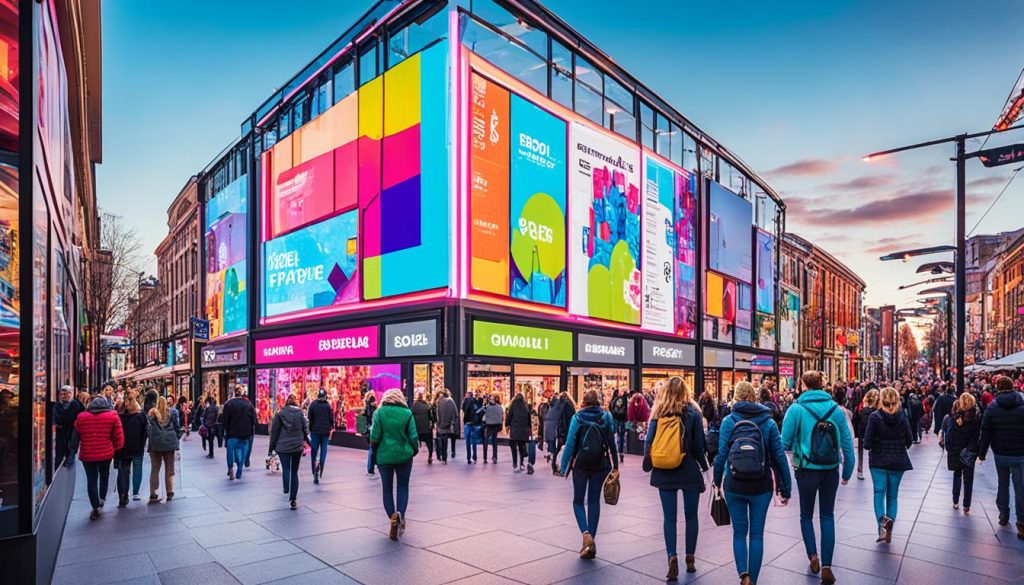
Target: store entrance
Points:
(605, 380)
(651, 378)
(427, 378)
(537, 383)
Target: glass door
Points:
(653, 377)
(427, 378)
(605, 380)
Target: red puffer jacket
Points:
(99, 434)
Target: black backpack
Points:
(747, 455)
(619, 406)
(592, 446)
(824, 440)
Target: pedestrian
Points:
(211, 415)
(914, 411)
(816, 431)
(860, 424)
(470, 409)
(678, 419)
(447, 424)
(618, 406)
(750, 446)
(128, 458)
(943, 406)
(589, 456)
(493, 418)
(887, 438)
(959, 436)
(164, 438)
(239, 418)
(65, 411)
(1002, 429)
(637, 413)
(288, 436)
(396, 442)
(542, 412)
(185, 419)
(552, 418)
(321, 424)
(766, 401)
(565, 413)
(369, 409)
(100, 435)
(520, 426)
(150, 400)
(423, 416)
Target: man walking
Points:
(470, 424)
(65, 411)
(239, 426)
(321, 423)
(447, 425)
(942, 407)
(1002, 429)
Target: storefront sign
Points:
(663, 353)
(754, 362)
(499, 339)
(214, 356)
(415, 338)
(717, 358)
(600, 349)
(787, 368)
(344, 344)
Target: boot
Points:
(395, 521)
(881, 533)
(827, 578)
(746, 580)
(529, 471)
(588, 550)
(1020, 530)
(690, 567)
(815, 564)
(887, 523)
(673, 568)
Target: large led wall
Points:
(355, 203)
(225, 239)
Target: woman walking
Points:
(860, 425)
(493, 417)
(99, 435)
(211, 415)
(369, 409)
(423, 415)
(887, 438)
(552, 418)
(129, 458)
(164, 435)
(590, 456)
(673, 403)
(750, 445)
(961, 430)
(518, 421)
(289, 433)
(394, 440)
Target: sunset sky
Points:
(800, 90)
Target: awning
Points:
(180, 369)
(157, 372)
(973, 369)
(124, 374)
(139, 373)
(1012, 361)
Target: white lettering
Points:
(278, 350)
(519, 342)
(667, 352)
(415, 340)
(601, 349)
(343, 343)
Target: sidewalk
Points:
(482, 524)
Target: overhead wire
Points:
(996, 200)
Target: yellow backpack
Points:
(667, 450)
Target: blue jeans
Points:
(491, 438)
(470, 432)
(369, 460)
(589, 485)
(619, 428)
(318, 446)
(290, 473)
(236, 450)
(97, 480)
(136, 474)
(812, 483)
(887, 491)
(1010, 468)
(129, 471)
(387, 481)
(670, 513)
(748, 514)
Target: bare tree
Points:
(113, 281)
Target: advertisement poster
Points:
(225, 241)
(304, 194)
(659, 245)
(686, 254)
(729, 233)
(789, 332)
(765, 272)
(604, 257)
(765, 330)
(744, 314)
(720, 308)
(313, 267)
(538, 197)
(489, 184)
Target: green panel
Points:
(516, 341)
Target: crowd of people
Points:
(741, 439)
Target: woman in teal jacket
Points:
(818, 480)
(395, 442)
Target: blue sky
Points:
(800, 90)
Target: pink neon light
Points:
(360, 342)
(401, 301)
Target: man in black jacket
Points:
(942, 407)
(239, 418)
(321, 423)
(1002, 428)
(471, 424)
(65, 411)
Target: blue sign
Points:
(200, 328)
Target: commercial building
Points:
(1004, 331)
(50, 142)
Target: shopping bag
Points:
(719, 510)
(361, 424)
(612, 488)
(439, 445)
(531, 452)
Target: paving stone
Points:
(416, 566)
(206, 573)
(277, 568)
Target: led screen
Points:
(765, 272)
(489, 197)
(225, 253)
(729, 233)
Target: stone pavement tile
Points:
(875, 563)
(141, 543)
(278, 512)
(980, 529)
(517, 522)
(771, 575)
(613, 575)
(987, 548)
(495, 551)
(867, 542)
(243, 553)
(484, 579)
(656, 565)
(110, 570)
(425, 534)
(438, 509)
(277, 568)
(197, 518)
(915, 571)
(175, 556)
(421, 567)
(300, 525)
(328, 576)
(246, 530)
(973, 564)
(551, 569)
(205, 573)
(337, 548)
(146, 580)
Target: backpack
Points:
(824, 440)
(747, 454)
(162, 438)
(619, 407)
(592, 450)
(667, 451)
(914, 404)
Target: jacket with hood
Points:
(518, 421)
(778, 465)
(393, 435)
(590, 415)
(135, 427)
(638, 410)
(887, 439)
(321, 417)
(964, 433)
(239, 418)
(289, 431)
(210, 416)
(493, 415)
(447, 417)
(799, 425)
(552, 418)
(423, 415)
(565, 418)
(943, 406)
(1002, 426)
(689, 476)
(99, 432)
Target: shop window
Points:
(653, 378)
(428, 379)
(605, 380)
(417, 35)
(344, 80)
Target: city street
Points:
(483, 524)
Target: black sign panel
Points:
(200, 328)
(1003, 155)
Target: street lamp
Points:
(929, 281)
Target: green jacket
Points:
(799, 424)
(393, 435)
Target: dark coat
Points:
(964, 433)
(64, 416)
(210, 416)
(136, 430)
(423, 415)
(552, 418)
(239, 418)
(321, 417)
(1002, 426)
(471, 411)
(517, 419)
(887, 438)
(943, 406)
(860, 420)
(689, 476)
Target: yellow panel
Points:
(402, 96)
(714, 296)
(489, 276)
(333, 128)
(371, 103)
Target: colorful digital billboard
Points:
(765, 272)
(225, 252)
(789, 327)
(659, 247)
(358, 196)
(489, 187)
(730, 237)
(686, 254)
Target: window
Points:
(417, 35)
(515, 27)
(368, 61)
(344, 80)
(561, 74)
(515, 59)
(323, 95)
(663, 136)
(677, 144)
(588, 104)
(619, 107)
(689, 153)
(646, 125)
(286, 122)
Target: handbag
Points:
(719, 510)
(204, 431)
(612, 487)
(968, 457)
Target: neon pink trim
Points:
(402, 301)
(359, 342)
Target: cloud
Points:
(885, 245)
(810, 167)
(902, 206)
(863, 183)
(987, 182)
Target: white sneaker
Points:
(136, 497)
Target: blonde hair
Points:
(132, 406)
(744, 392)
(673, 397)
(871, 398)
(965, 403)
(395, 397)
(889, 400)
(160, 412)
